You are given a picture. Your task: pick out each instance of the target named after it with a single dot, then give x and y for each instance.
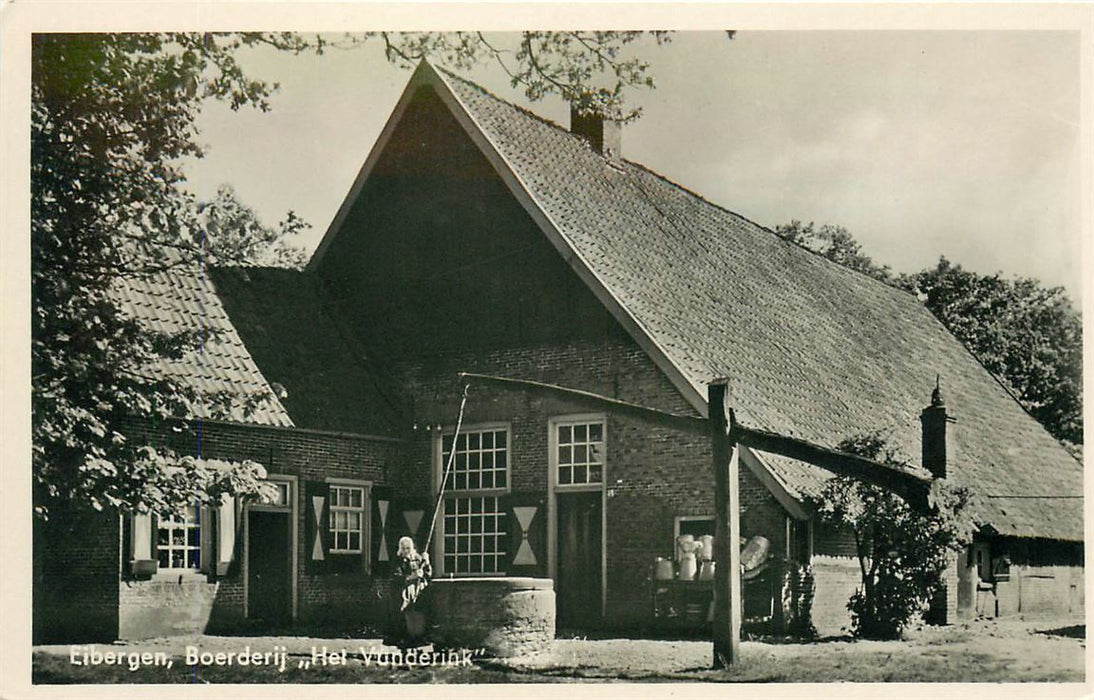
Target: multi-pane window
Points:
(474, 522)
(474, 535)
(347, 518)
(178, 540)
(580, 453)
(482, 460)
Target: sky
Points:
(922, 144)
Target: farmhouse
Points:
(480, 238)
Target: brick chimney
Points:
(604, 135)
(934, 419)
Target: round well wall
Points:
(505, 616)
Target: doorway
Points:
(269, 567)
(579, 582)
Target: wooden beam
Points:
(910, 486)
(652, 415)
(727, 532)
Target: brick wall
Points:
(761, 514)
(76, 569)
(837, 578)
(84, 591)
(652, 474)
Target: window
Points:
(474, 522)
(695, 525)
(481, 460)
(474, 535)
(282, 498)
(347, 518)
(580, 453)
(178, 540)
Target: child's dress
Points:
(406, 619)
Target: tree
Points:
(112, 122)
(835, 243)
(1029, 336)
(902, 553)
(588, 69)
(235, 234)
(112, 118)
(1026, 334)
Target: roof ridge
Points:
(667, 180)
(766, 229)
(524, 110)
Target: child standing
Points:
(406, 618)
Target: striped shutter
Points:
(316, 526)
(384, 524)
(413, 520)
(527, 550)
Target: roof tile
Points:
(812, 349)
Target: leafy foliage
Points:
(835, 243)
(1026, 334)
(235, 234)
(591, 70)
(798, 590)
(113, 121)
(112, 118)
(902, 553)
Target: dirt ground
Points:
(983, 651)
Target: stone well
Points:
(505, 616)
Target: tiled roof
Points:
(184, 299)
(281, 316)
(811, 349)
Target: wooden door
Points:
(269, 567)
(579, 576)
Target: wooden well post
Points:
(727, 531)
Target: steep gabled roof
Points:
(183, 299)
(281, 315)
(264, 327)
(811, 349)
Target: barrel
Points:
(505, 617)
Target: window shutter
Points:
(527, 548)
(317, 526)
(142, 556)
(225, 548)
(413, 521)
(383, 546)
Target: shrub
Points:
(902, 553)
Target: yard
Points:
(983, 650)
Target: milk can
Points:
(706, 571)
(686, 547)
(708, 548)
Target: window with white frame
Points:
(580, 458)
(474, 522)
(178, 540)
(347, 518)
